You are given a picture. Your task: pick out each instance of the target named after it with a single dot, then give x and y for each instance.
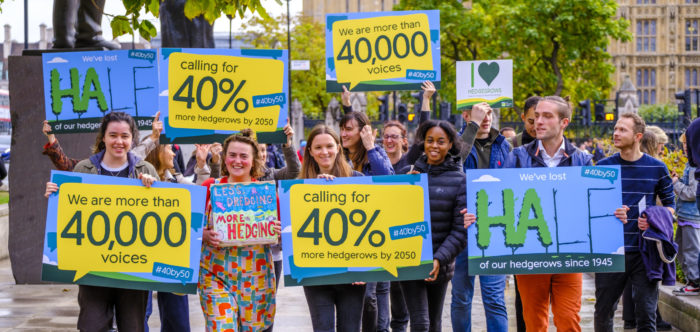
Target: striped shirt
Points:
(642, 182)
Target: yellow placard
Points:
(380, 48)
(218, 92)
(349, 225)
(116, 228)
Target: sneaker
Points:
(663, 326)
(687, 290)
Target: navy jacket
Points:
(692, 136)
(528, 155)
(378, 163)
(499, 154)
(657, 247)
(447, 191)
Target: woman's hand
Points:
(201, 153)
(211, 237)
(434, 273)
(359, 283)
(215, 150)
(146, 179)
(345, 96)
(367, 136)
(428, 90)
(50, 189)
(290, 133)
(642, 222)
(156, 127)
(328, 177)
(469, 218)
(277, 227)
(46, 129)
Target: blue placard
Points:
(81, 87)
(114, 232)
(545, 220)
(352, 229)
(382, 51)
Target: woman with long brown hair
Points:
(332, 307)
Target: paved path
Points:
(55, 308)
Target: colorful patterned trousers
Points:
(237, 288)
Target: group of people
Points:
(238, 294)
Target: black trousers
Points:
(98, 306)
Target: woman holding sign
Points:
(236, 284)
(332, 307)
(113, 158)
(446, 182)
(358, 143)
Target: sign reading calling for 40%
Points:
(218, 92)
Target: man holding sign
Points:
(643, 180)
(551, 149)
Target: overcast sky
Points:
(40, 11)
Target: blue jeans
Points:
(492, 295)
(399, 311)
(375, 316)
(609, 287)
(424, 301)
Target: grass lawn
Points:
(4, 197)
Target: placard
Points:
(208, 94)
(382, 51)
(244, 213)
(115, 232)
(545, 220)
(81, 87)
(489, 81)
(355, 229)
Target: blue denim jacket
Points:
(685, 191)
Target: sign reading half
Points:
(81, 87)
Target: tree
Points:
(308, 42)
(558, 47)
(210, 9)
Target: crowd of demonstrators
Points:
(444, 155)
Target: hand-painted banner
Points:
(81, 87)
(244, 213)
(114, 232)
(545, 220)
(489, 81)
(208, 94)
(353, 229)
(382, 51)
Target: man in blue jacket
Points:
(487, 148)
(551, 149)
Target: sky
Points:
(40, 11)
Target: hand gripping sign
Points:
(382, 51)
(244, 213)
(545, 220)
(355, 229)
(112, 231)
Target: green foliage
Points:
(658, 113)
(211, 10)
(308, 43)
(558, 47)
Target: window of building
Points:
(646, 35)
(646, 2)
(646, 85)
(691, 35)
(691, 77)
(688, 1)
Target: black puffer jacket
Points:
(447, 189)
